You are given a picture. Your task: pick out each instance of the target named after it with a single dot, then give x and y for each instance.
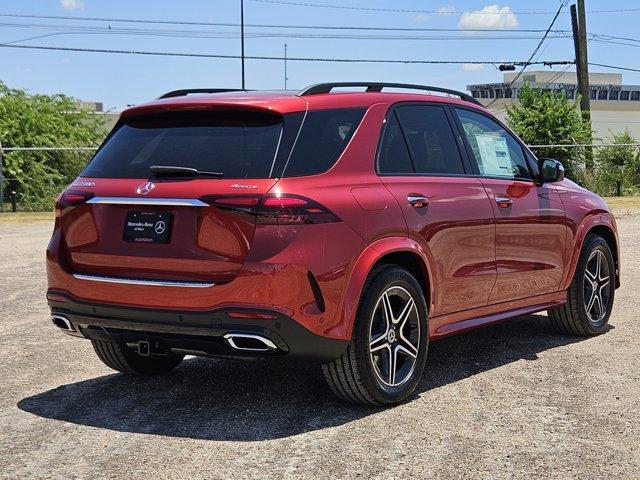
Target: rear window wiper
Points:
(175, 171)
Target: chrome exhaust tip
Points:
(62, 323)
(248, 342)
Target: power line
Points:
(290, 59)
(431, 12)
(533, 54)
(81, 30)
(262, 25)
(629, 69)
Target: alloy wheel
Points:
(597, 286)
(394, 336)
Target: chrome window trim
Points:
(148, 283)
(176, 202)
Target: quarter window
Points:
(496, 152)
(393, 157)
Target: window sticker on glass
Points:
(494, 155)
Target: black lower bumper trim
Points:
(196, 331)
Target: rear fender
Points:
(363, 267)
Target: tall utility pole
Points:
(579, 26)
(285, 67)
(242, 39)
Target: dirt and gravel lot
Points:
(511, 401)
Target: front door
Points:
(446, 209)
(530, 231)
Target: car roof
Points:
(288, 101)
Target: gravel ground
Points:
(511, 401)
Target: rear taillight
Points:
(71, 198)
(275, 209)
(292, 210)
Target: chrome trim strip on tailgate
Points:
(149, 283)
(176, 202)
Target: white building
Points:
(614, 106)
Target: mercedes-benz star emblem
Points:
(160, 227)
(146, 188)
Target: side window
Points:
(393, 156)
(431, 142)
(323, 137)
(495, 150)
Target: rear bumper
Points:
(193, 331)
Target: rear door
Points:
(530, 232)
(446, 209)
(173, 226)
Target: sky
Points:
(119, 80)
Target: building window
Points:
(613, 95)
(569, 93)
(624, 95)
(635, 96)
(499, 93)
(508, 93)
(602, 94)
(475, 93)
(593, 94)
(491, 95)
(483, 94)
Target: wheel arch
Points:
(401, 251)
(605, 227)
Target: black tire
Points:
(357, 376)
(123, 358)
(573, 318)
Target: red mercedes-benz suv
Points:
(349, 227)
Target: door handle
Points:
(503, 202)
(417, 201)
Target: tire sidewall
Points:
(383, 279)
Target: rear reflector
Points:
(254, 315)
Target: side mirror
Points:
(551, 170)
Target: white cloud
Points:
(72, 4)
(420, 17)
(472, 67)
(490, 17)
(65, 60)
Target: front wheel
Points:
(385, 359)
(590, 295)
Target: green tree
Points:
(44, 121)
(618, 162)
(545, 117)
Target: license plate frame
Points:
(147, 227)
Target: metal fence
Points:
(32, 177)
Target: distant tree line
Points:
(545, 117)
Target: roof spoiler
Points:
(190, 91)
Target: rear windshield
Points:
(237, 144)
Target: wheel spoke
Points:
(378, 343)
(592, 299)
(413, 353)
(589, 276)
(392, 365)
(406, 311)
(388, 312)
(598, 264)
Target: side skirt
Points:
(443, 326)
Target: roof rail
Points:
(378, 86)
(188, 91)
